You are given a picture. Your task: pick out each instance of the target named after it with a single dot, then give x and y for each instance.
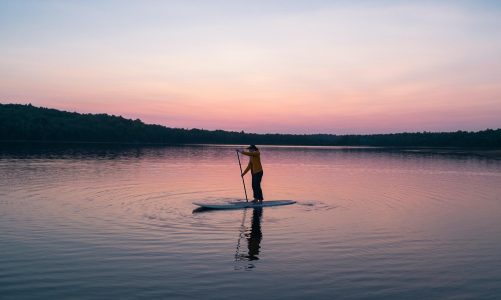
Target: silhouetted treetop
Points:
(27, 122)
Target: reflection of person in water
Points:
(255, 236)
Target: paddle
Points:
(243, 181)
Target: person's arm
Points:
(249, 166)
(248, 153)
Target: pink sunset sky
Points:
(260, 66)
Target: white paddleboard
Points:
(243, 204)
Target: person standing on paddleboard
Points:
(256, 170)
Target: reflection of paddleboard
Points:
(243, 204)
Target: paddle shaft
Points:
(243, 181)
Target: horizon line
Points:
(240, 131)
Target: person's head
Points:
(252, 148)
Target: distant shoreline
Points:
(60, 142)
(38, 124)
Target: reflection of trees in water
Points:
(253, 237)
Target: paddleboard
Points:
(243, 204)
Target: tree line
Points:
(30, 123)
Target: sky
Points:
(287, 66)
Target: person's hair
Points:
(253, 147)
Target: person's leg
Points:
(255, 186)
(259, 191)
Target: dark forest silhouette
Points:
(29, 123)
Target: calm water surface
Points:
(369, 224)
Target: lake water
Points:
(119, 223)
